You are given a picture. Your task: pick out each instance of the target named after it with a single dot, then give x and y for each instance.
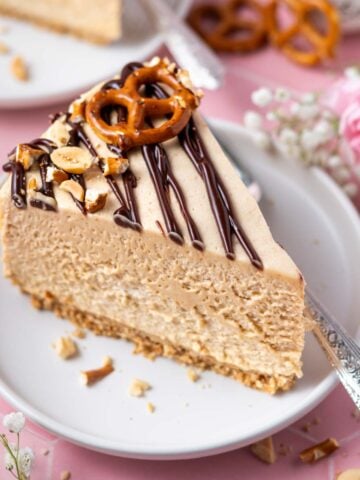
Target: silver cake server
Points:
(341, 350)
(185, 45)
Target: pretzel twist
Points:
(133, 131)
(228, 23)
(303, 25)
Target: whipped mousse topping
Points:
(101, 129)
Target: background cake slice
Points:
(94, 20)
(176, 256)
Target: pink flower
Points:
(350, 126)
(341, 94)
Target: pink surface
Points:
(334, 414)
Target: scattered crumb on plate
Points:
(19, 69)
(150, 407)
(65, 348)
(89, 377)
(192, 375)
(138, 388)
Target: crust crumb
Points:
(65, 475)
(138, 388)
(89, 377)
(79, 333)
(319, 451)
(356, 414)
(192, 375)
(264, 450)
(284, 450)
(4, 48)
(37, 303)
(306, 427)
(19, 69)
(65, 348)
(351, 474)
(150, 407)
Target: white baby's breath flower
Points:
(288, 136)
(310, 140)
(294, 108)
(253, 120)
(282, 94)
(307, 112)
(26, 460)
(288, 150)
(351, 189)
(262, 97)
(14, 422)
(341, 174)
(261, 139)
(308, 98)
(356, 171)
(334, 161)
(352, 72)
(271, 116)
(325, 130)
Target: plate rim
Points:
(92, 442)
(39, 101)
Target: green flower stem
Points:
(6, 445)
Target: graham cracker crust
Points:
(152, 347)
(57, 27)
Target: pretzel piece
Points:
(229, 22)
(303, 26)
(132, 131)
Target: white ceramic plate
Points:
(311, 217)
(62, 66)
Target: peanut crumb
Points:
(264, 450)
(192, 375)
(306, 427)
(19, 69)
(79, 333)
(89, 377)
(4, 48)
(150, 407)
(65, 475)
(284, 450)
(45, 452)
(351, 474)
(356, 414)
(319, 451)
(65, 348)
(138, 388)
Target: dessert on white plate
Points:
(137, 226)
(93, 20)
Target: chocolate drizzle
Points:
(18, 182)
(219, 200)
(18, 186)
(46, 187)
(227, 225)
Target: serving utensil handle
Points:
(342, 351)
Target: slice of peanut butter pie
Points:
(127, 218)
